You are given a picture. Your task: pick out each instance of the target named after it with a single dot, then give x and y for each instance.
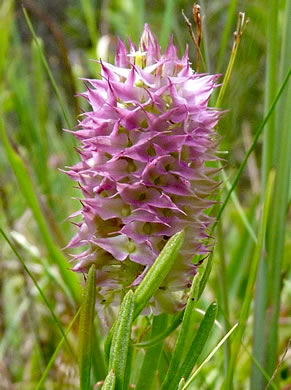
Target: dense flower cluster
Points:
(143, 171)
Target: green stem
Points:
(238, 35)
(55, 354)
(152, 355)
(251, 148)
(183, 337)
(163, 334)
(226, 33)
(195, 348)
(224, 290)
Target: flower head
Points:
(143, 171)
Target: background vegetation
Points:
(38, 82)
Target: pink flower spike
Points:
(145, 149)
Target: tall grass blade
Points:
(86, 329)
(152, 356)
(89, 11)
(183, 336)
(222, 341)
(226, 33)
(41, 111)
(49, 73)
(6, 18)
(167, 22)
(276, 225)
(251, 148)
(236, 344)
(55, 354)
(99, 369)
(181, 384)
(269, 141)
(163, 334)
(196, 347)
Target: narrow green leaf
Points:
(269, 141)
(86, 327)
(167, 22)
(6, 22)
(108, 343)
(222, 341)
(276, 229)
(250, 285)
(181, 343)
(99, 368)
(157, 273)
(128, 368)
(89, 11)
(196, 347)
(163, 334)
(47, 68)
(152, 356)
(181, 384)
(206, 274)
(226, 33)
(110, 380)
(55, 354)
(121, 339)
(251, 148)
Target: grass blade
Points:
(181, 384)
(269, 141)
(196, 347)
(181, 342)
(152, 357)
(222, 341)
(55, 354)
(167, 22)
(250, 285)
(163, 334)
(90, 17)
(276, 225)
(226, 34)
(86, 328)
(47, 68)
(250, 150)
(6, 18)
